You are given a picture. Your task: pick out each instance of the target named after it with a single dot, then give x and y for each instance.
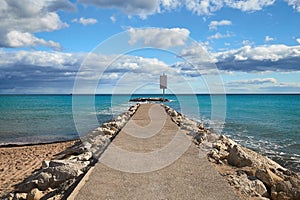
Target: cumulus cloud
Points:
(215, 24)
(159, 37)
(268, 39)
(85, 21)
(203, 7)
(199, 7)
(249, 5)
(18, 39)
(28, 17)
(276, 57)
(197, 53)
(294, 3)
(25, 71)
(261, 58)
(220, 35)
(171, 4)
(298, 40)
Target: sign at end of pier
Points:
(163, 82)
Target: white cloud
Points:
(29, 17)
(171, 4)
(18, 39)
(199, 7)
(298, 40)
(277, 57)
(265, 52)
(220, 35)
(85, 21)
(249, 5)
(197, 54)
(247, 42)
(113, 19)
(268, 39)
(215, 24)
(203, 7)
(159, 37)
(256, 81)
(294, 3)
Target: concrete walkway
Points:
(151, 158)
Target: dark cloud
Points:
(261, 58)
(130, 7)
(57, 5)
(286, 64)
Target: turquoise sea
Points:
(269, 124)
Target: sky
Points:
(116, 46)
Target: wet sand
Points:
(19, 162)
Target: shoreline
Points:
(12, 145)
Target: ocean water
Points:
(269, 124)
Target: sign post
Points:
(163, 84)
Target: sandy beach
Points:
(17, 163)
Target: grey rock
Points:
(43, 181)
(259, 187)
(27, 186)
(84, 157)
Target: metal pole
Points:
(163, 94)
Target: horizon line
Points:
(83, 94)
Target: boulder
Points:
(281, 196)
(34, 194)
(27, 186)
(259, 187)
(76, 149)
(45, 164)
(237, 157)
(19, 196)
(267, 177)
(84, 156)
(106, 131)
(284, 190)
(248, 186)
(62, 173)
(43, 181)
(199, 138)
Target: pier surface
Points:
(153, 171)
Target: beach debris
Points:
(58, 175)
